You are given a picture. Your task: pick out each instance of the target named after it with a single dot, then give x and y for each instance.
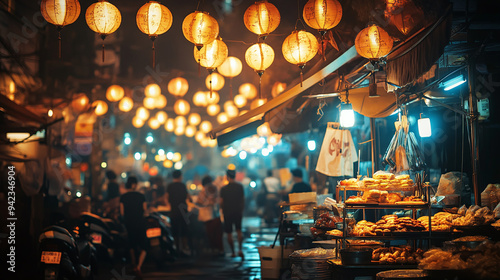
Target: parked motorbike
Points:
(100, 236)
(160, 238)
(65, 255)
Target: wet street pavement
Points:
(208, 266)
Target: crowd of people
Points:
(198, 222)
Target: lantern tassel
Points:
(231, 87)
(260, 83)
(210, 86)
(103, 36)
(199, 68)
(301, 78)
(59, 40)
(154, 53)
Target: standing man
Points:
(299, 185)
(133, 208)
(177, 196)
(272, 187)
(232, 202)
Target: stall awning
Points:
(254, 114)
(19, 112)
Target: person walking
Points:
(133, 208)
(299, 185)
(272, 188)
(209, 214)
(177, 197)
(232, 202)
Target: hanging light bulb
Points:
(346, 115)
(103, 18)
(60, 13)
(424, 126)
(115, 93)
(154, 19)
(178, 86)
(200, 28)
(126, 104)
(262, 18)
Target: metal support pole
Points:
(372, 135)
(473, 115)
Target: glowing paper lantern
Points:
(103, 18)
(142, 113)
(259, 57)
(211, 55)
(137, 122)
(212, 97)
(248, 90)
(200, 99)
(100, 106)
(205, 126)
(154, 123)
(231, 67)
(214, 81)
(274, 139)
(160, 102)
(60, 13)
(278, 88)
(228, 104)
(213, 109)
(170, 125)
(182, 107)
(222, 118)
(180, 121)
(200, 28)
(240, 101)
(152, 90)
(322, 14)
(190, 131)
(194, 119)
(126, 104)
(149, 102)
(161, 116)
(80, 103)
(300, 47)
(262, 18)
(373, 42)
(212, 143)
(115, 93)
(177, 157)
(178, 86)
(231, 111)
(168, 163)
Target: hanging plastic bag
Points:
(337, 154)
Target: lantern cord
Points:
(231, 87)
(154, 54)
(210, 86)
(102, 51)
(59, 41)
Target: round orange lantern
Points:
(142, 113)
(161, 102)
(152, 90)
(100, 106)
(228, 104)
(149, 102)
(194, 119)
(257, 103)
(161, 116)
(205, 126)
(211, 55)
(137, 122)
(248, 90)
(168, 163)
(262, 18)
(60, 13)
(126, 104)
(300, 47)
(322, 14)
(373, 42)
(103, 18)
(180, 121)
(115, 93)
(80, 103)
(190, 131)
(212, 97)
(240, 101)
(179, 130)
(213, 109)
(200, 99)
(231, 67)
(214, 81)
(182, 107)
(278, 88)
(259, 57)
(170, 125)
(274, 139)
(231, 111)
(264, 130)
(153, 171)
(200, 28)
(178, 86)
(199, 136)
(222, 118)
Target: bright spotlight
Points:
(243, 155)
